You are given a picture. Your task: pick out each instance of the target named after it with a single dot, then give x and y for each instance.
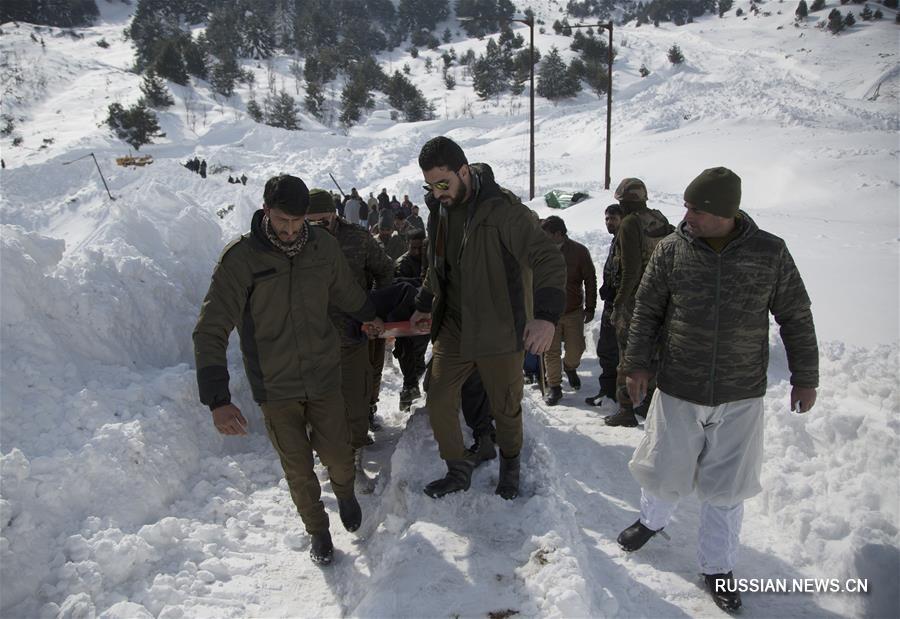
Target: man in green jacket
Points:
(274, 284)
(710, 288)
(483, 246)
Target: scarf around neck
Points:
(292, 248)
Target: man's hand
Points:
(588, 315)
(229, 420)
(373, 328)
(802, 399)
(538, 336)
(637, 384)
(422, 320)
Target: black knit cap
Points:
(287, 193)
(716, 191)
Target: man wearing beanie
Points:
(275, 284)
(372, 269)
(639, 232)
(710, 288)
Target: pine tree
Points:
(674, 54)
(817, 5)
(136, 125)
(878, 14)
(282, 111)
(849, 20)
(835, 21)
(354, 97)
(315, 99)
(254, 111)
(155, 92)
(596, 74)
(170, 64)
(554, 79)
(866, 13)
(224, 76)
(725, 6)
(802, 10)
(196, 60)
(258, 40)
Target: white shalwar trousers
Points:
(715, 450)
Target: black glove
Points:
(588, 315)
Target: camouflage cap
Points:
(320, 201)
(631, 190)
(286, 193)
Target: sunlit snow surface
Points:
(119, 499)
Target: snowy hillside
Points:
(119, 499)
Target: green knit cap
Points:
(716, 191)
(320, 201)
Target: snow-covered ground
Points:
(119, 499)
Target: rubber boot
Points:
(574, 379)
(321, 550)
(351, 513)
(508, 484)
(634, 537)
(483, 449)
(719, 590)
(458, 477)
(554, 396)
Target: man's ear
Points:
(464, 171)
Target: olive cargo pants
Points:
(502, 379)
(569, 331)
(286, 424)
(356, 386)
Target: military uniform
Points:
(276, 301)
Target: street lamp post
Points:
(528, 20)
(609, 59)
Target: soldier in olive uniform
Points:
(371, 268)
(638, 233)
(274, 284)
(711, 287)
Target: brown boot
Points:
(624, 418)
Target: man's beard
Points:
(457, 198)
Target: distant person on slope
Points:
(483, 243)
(607, 348)
(581, 304)
(275, 284)
(641, 229)
(710, 287)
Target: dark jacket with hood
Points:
(279, 306)
(502, 246)
(713, 311)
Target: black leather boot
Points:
(351, 513)
(723, 591)
(458, 477)
(508, 484)
(321, 550)
(554, 396)
(483, 449)
(574, 379)
(634, 537)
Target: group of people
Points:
(197, 166)
(309, 292)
